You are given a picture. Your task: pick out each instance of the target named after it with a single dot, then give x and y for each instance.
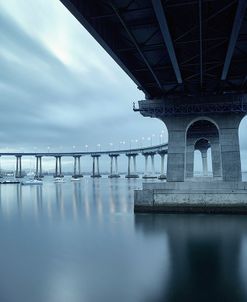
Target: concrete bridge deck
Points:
(156, 148)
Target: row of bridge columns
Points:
(114, 173)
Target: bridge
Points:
(189, 57)
(147, 152)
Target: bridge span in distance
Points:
(147, 152)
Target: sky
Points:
(59, 90)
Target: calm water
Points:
(81, 242)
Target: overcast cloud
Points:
(59, 88)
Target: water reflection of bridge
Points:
(86, 199)
(207, 256)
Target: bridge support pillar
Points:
(95, 172)
(114, 165)
(146, 165)
(146, 173)
(204, 162)
(153, 168)
(58, 167)
(221, 133)
(190, 158)
(162, 163)
(77, 167)
(216, 158)
(133, 157)
(18, 170)
(224, 191)
(38, 170)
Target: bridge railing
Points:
(155, 148)
(231, 103)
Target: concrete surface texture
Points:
(187, 133)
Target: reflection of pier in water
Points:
(19, 198)
(90, 198)
(76, 199)
(206, 255)
(59, 199)
(39, 197)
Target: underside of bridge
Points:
(189, 57)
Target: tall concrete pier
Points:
(146, 173)
(132, 174)
(38, 170)
(224, 190)
(77, 167)
(162, 154)
(18, 170)
(114, 165)
(58, 166)
(95, 172)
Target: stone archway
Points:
(201, 135)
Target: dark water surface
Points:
(81, 242)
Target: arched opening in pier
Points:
(203, 155)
